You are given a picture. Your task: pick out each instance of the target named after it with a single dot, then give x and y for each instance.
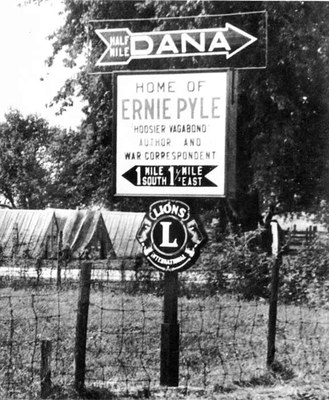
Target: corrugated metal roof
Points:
(22, 230)
(122, 228)
(83, 229)
(114, 231)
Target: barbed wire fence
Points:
(223, 338)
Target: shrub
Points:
(304, 276)
(238, 264)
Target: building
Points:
(28, 233)
(84, 233)
(122, 228)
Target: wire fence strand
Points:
(223, 337)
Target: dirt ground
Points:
(284, 391)
(281, 392)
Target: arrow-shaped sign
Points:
(122, 45)
(170, 175)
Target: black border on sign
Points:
(230, 142)
(117, 23)
(177, 252)
(114, 133)
(230, 132)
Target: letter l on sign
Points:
(165, 235)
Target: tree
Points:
(23, 169)
(283, 109)
(64, 161)
(38, 164)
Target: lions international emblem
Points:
(171, 238)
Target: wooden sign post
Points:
(169, 364)
(171, 238)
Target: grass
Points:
(222, 343)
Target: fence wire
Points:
(25, 320)
(223, 338)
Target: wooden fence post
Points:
(59, 259)
(82, 327)
(45, 368)
(169, 365)
(273, 306)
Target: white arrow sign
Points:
(122, 45)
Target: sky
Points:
(26, 83)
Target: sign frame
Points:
(230, 136)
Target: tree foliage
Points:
(38, 164)
(284, 109)
(23, 170)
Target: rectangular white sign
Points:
(171, 133)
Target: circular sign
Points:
(169, 236)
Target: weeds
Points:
(222, 342)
